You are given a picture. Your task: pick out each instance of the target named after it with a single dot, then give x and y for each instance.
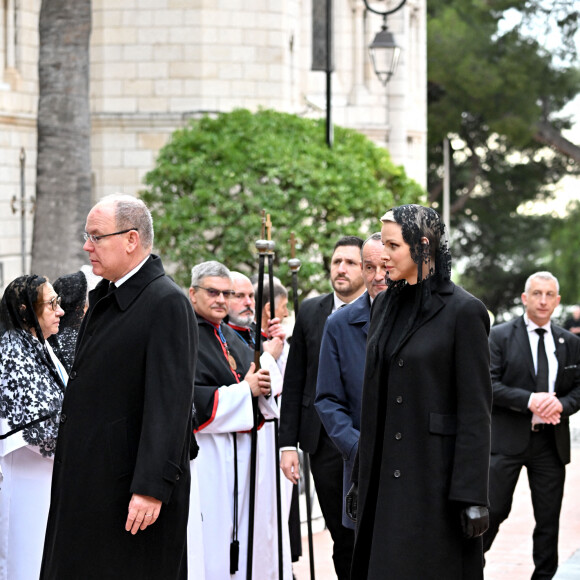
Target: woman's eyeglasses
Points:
(54, 302)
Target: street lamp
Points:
(383, 50)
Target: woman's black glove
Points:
(351, 502)
(474, 521)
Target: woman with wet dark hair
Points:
(32, 382)
(425, 422)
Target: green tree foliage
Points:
(215, 176)
(565, 247)
(497, 93)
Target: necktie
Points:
(542, 372)
(111, 288)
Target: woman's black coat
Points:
(429, 455)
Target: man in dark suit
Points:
(342, 363)
(299, 421)
(536, 387)
(121, 479)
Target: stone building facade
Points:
(157, 63)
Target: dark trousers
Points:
(546, 475)
(326, 465)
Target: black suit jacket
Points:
(513, 380)
(299, 421)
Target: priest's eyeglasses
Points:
(214, 293)
(95, 239)
(54, 302)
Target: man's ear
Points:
(524, 299)
(133, 241)
(266, 311)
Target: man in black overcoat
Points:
(121, 480)
(299, 421)
(532, 403)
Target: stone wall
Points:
(18, 105)
(157, 63)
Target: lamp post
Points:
(322, 58)
(383, 50)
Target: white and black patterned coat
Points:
(31, 392)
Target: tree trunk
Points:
(63, 174)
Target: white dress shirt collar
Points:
(131, 273)
(338, 303)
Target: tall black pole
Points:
(276, 423)
(294, 265)
(329, 127)
(262, 246)
(22, 210)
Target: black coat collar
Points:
(128, 292)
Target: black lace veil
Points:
(72, 289)
(418, 222)
(17, 305)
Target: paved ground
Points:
(511, 555)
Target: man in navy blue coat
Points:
(342, 362)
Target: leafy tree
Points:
(565, 243)
(498, 95)
(63, 173)
(215, 176)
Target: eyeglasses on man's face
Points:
(54, 302)
(214, 292)
(95, 239)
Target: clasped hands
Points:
(259, 381)
(546, 406)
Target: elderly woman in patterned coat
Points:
(32, 382)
